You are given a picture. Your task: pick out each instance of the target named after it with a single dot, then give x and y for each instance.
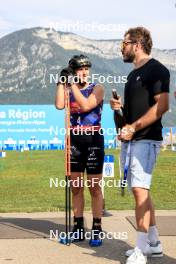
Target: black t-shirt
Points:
(142, 85)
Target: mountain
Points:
(32, 58)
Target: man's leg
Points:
(146, 224)
(143, 214)
(143, 158)
(152, 212)
(153, 234)
(142, 209)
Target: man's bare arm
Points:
(154, 113)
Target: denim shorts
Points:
(142, 159)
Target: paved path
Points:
(46, 251)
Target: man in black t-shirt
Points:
(146, 99)
(141, 90)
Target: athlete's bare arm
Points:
(60, 98)
(86, 104)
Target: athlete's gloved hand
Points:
(66, 76)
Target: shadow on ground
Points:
(112, 249)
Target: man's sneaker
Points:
(156, 249)
(152, 250)
(137, 257)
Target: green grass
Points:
(25, 179)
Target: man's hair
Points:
(142, 35)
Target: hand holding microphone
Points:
(116, 105)
(115, 101)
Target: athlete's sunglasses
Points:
(124, 43)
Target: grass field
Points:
(25, 183)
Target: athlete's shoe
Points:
(78, 233)
(96, 240)
(137, 257)
(152, 250)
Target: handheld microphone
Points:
(119, 118)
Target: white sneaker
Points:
(137, 257)
(152, 250)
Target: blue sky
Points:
(93, 19)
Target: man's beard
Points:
(129, 57)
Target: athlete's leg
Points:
(94, 168)
(77, 193)
(78, 206)
(96, 194)
(77, 174)
(97, 208)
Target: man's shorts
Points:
(87, 153)
(143, 155)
